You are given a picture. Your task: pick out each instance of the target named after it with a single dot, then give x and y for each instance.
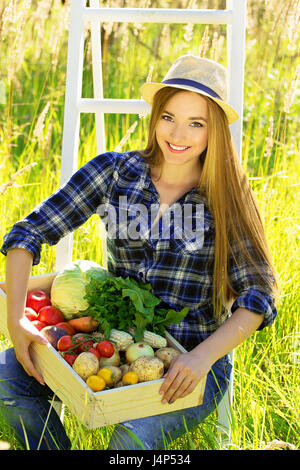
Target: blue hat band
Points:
(185, 81)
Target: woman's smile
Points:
(177, 148)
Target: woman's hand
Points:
(21, 331)
(22, 334)
(184, 373)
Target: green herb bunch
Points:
(125, 303)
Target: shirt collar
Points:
(143, 169)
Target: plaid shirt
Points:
(179, 269)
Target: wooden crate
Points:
(96, 409)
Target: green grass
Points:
(266, 380)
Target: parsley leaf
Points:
(123, 303)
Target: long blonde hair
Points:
(231, 201)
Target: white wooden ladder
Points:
(234, 16)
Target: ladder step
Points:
(157, 15)
(106, 105)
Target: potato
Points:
(114, 360)
(166, 355)
(86, 364)
(147, 368)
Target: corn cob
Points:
(122, 339)
(153, 339)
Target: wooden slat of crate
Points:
(137, 401)
(116, 405)
(101, 408)
(57, 373)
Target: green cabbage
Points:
(69, 286)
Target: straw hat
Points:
(197, 74)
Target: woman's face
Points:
(181, 131)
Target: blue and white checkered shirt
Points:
(118, 187)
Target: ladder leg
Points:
(97, 78)
(224, 420)
(59, 407)
(98, 93)
(235, 65)
(71, 115)
(224, 410)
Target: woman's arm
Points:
(65, 210)
(228, 336)
(61, 213)
(187, 369)
(18, 267)
(22, 333)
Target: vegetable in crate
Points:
(121, 304)
(105, 348)
(36, 299)
(136, 350)
(166, 355)
(68, 287)
(86, 364)
(153, 339)
(50, 315)
(121, 339)
(147, 368)
(111, 374)
(85, 324)
(53, 334)
(114, 360)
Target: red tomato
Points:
(70, 358)
(50, 315)
(68, 328)
(105, 348)
(83, 343)
(96, 352)
(30, 313)
(37, 299)
(65, 343)
(38, 324)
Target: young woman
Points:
(214, 259)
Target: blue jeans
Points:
(24, 404)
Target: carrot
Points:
(84, 324)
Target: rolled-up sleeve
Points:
(65, 210)
(253, 293)
(257, 302)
